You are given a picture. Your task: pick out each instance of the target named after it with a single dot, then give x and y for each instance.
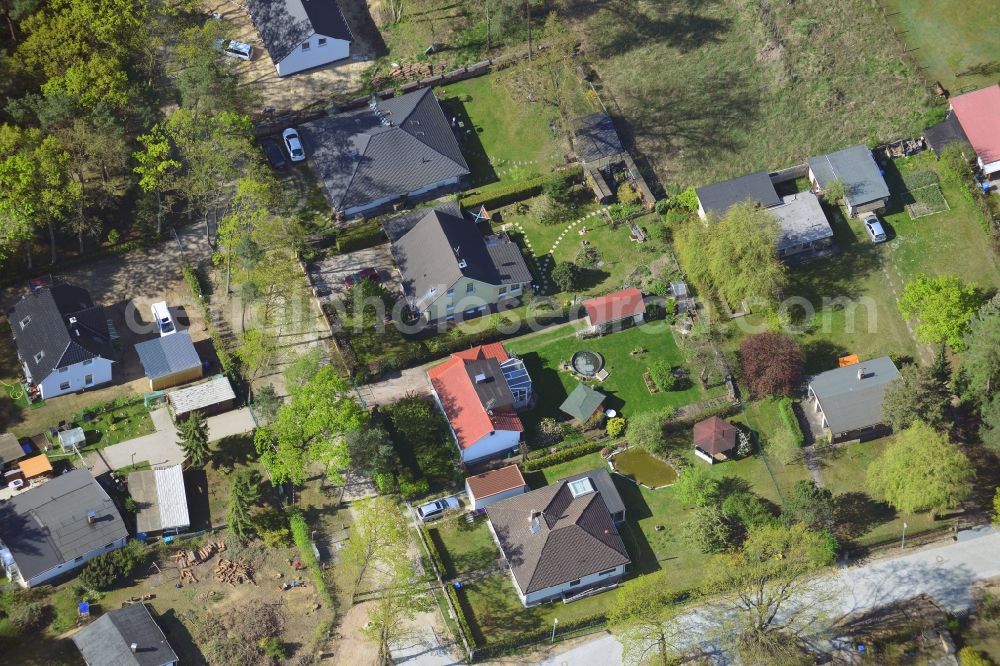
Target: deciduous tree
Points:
(643, 616)
(371, 451)
(810, 505)
(981, 358)
(943, 306)
(566, 275)
(989, 427)
(645, 431)
(772, 364)
(193, 435)
(915, 396)
(742, 255)
(378, 543)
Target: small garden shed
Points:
(495, 485)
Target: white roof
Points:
(201, 395)
(161, 499)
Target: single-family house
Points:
(978, 112)
(480, 390)
(301, 34)
(802, 225)
(160, 500)
(169, 360)
(849, 399)
(62, 339)
(714, 439)
(495, 485)
(210, 397)
(387, 151)
(126, 636)
(448, 268)
(615, 311)
(718, 198)
(864, 187)
(582, 403)
(562, 540)
(56, 527)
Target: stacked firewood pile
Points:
(234, 571)
(186, 559)
(403, 73)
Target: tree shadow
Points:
(234, 450)
(821, 355)
(856, 513)
(196, 490)
(482, 171)
(180, 638)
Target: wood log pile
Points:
(189, 558)
(234, 571)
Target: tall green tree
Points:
(244, 491)
(419, 427)
(943, 306)
(921, 470)
(989, 427)
(156, 167)
(371, 451)
(810, 505)
(916, 395)
(643, 618)
(645, 431)
(981, 358)
(742, 255)
(256, 351)
(310, 429)
(193, 435)
(379, 542)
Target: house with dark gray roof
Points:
(718, 198)
(864, 187)
(389, 150)
(449, 268)
(848, 399)
(169, 360)
(57, 526)
(562, 540)
(125, 637)
(63, 340)
(301, 34)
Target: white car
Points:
(436, 509)
(293, 144)
(874, 227)
(234, 49)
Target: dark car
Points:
(364, 274)
(275, 156)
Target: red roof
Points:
(713, 435)
(495, 481)
(979, 114)
(619, 305)
(466, 414)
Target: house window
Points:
(61, 370)
(79, 559)
(501, 291)
(451, 292)
(305, 46)
(39, 356)
(88, 380)
(450, 317)
(515, 287)
(607, 573)
(470, 288)
(89, 361)
(64, 386)
(25, 321)
(574, 583)
(110, 546)
(451, 308)
(322, 41)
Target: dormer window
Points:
(25, 321)
(322, 41)
(470, 288)
(39, 356)
(581, 487)
(305, 46)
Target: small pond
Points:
(587, 363)
(644, 468)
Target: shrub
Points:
(791, 421)
(114, 236)
(99, 574)
(687, 199)
(559, 187)
(566, 275)
(662, 206)
(300, 535)
(621, 211)
(27, 616)
(516, 191)
(968, 656)
(272, 527)
(645, 431)
(410, 489)
(561, 456)
(627, 195)
(273, 648)
(662, 374)
(385, 482)
(615, 427)
(359, 237)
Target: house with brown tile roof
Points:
(495, 485)
(562, 540)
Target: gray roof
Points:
(399, 225)
(596, 138)
(720, 197)
(161, 501)
(431, 256)
(856, 169)
(107, 640)
(283, 25)
(46, 525)
(576, 536)
(850, 403)
(212, 392)
(605, 485)
(801, 220)
(945, 133)
(168, 354)
(46, 314)
(490, 383)
(10, 449)
(401, 145)
(582, 402)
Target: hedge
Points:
(300, 535)
(499, 648)
(226, 360)
(463, 622)
(722, 412)
(791, 421)
(509, 193)
(435, 553)
(563, 455)
(360, 237)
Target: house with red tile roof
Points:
(495, 485)
(978, 113)
(616, 310)
(480, 390)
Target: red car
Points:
(364, 274)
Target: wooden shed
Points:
(170, 360)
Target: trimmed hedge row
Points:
(463, 622)
(300, 535)
(563, 455)
(500, 648)
(722, 412)
(791, 421)
(435, 553)
(517, 191)
(360, 237)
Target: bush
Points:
(622, 211)
(385, 482)
(627, 195)
(410, 489)
(273, 648)
(463, 621)
(645, 431)
(662, 206)
(662, 374)
(791, 421)
(566, 275)
(300, 535)
(516, 191)
(688, 199)
(272, 528)
(27, 616)
(615, 427)
(99, 574)
(559, 187)
(360, 236)
(561, 456)
(968, 656)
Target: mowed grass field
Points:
(713, 90)
(957, 44)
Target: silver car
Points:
(293, 144)
(874, 227)
(436, 509)
(234, 49)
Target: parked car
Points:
(234, 49)
(436, 509)
(272, 151)
(293, 144)
(164, 320)
(874, 227)
(364, 274)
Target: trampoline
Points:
(587, 363)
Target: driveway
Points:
(328, 274)
(396, 384)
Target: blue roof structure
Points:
(168, 355)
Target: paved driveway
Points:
(395, 385)
(328, 274)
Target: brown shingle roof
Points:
(495, 481)
(576, 536)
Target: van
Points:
(164, 321)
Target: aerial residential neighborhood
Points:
(553, 333)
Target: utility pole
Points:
(902, 544)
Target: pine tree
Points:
(193, 433)
(941, 368)
(244, 491)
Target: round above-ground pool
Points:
(587, 363)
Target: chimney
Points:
(480, 378)
(861, 373)
(91, 517)
(135, 647)
(534, 523)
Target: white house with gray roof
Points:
(126, 636)
(802, 224)
(855, 167)
(301, 34)
(849, 399)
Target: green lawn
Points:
(957, 45)
(116, 425)
(464, 548)
(625, 387)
